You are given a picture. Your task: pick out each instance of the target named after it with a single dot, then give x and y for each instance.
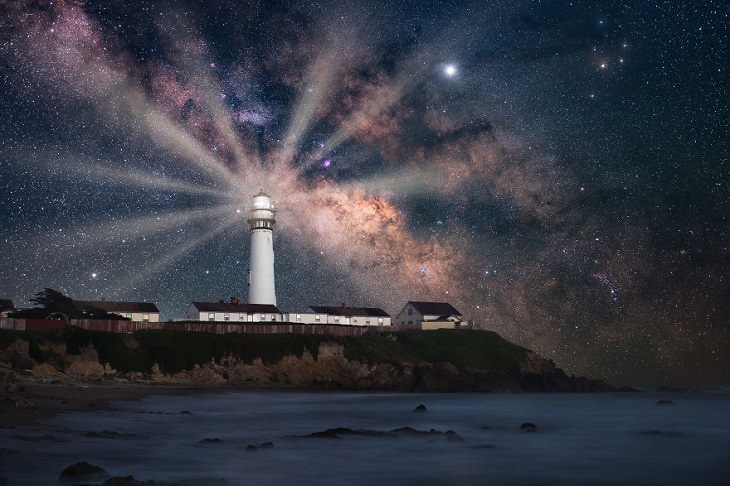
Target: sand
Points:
(30, 399)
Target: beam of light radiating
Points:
(169, 134)
(69, 55)
(318, 83)
(147, 226)
(403, 182)
(194, 62)
(169, 258)
(410, 74)
(111, 233)
(140, 179)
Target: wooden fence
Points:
(128, 327)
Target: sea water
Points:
(265, 438)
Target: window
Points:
(337, 319)
(316, 317)
(211, 316)
(250, 318)
(410, 311)
(226, 317)
(145, 317)
(273, 317)
(367, 321)
(128, 315)
(242, 317)
(299, 318)
(380, 320)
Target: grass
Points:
(463, 349)
(175, 351)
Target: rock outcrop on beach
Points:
(326, 367)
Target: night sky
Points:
(558, 171)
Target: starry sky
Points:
(556, 170)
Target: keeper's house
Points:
(348, 316)
(430, 315)
(134, 311)
(233, 312)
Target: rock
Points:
(420, 408)
(123, 481)
(214, 440)
(331, 433)
(87, 369)
(83, 471)
(665, 402)
(45, 370)
(528, 427)
(263, 445)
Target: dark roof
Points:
(349, 311)
(227, 307)
(6, 305)
(110, 306)
(443, 309)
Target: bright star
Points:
(450, 70)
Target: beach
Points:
(26, 398)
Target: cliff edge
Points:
(424, 361)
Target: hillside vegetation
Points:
(177, 351)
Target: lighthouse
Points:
(261, 265)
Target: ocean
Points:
(335, 438)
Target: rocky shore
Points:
(31, 390)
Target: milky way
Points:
(559, 173)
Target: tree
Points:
(50, 301)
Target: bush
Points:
(176, 351)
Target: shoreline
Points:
(33, 400)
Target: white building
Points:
(233, 312)
(261, 289)
(135, 311)
(349, 316)
(430, 315)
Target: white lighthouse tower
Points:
(261, 266)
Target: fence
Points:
(128, 327)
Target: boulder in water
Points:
(123, 481)
(83, 471)
(420, 408)
(528, 427)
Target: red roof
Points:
(109, 306)
(227, 307)
(443, 309)
(349, 311)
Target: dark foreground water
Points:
(264, 438)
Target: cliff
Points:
(431, 361)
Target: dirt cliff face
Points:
(330, 370)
